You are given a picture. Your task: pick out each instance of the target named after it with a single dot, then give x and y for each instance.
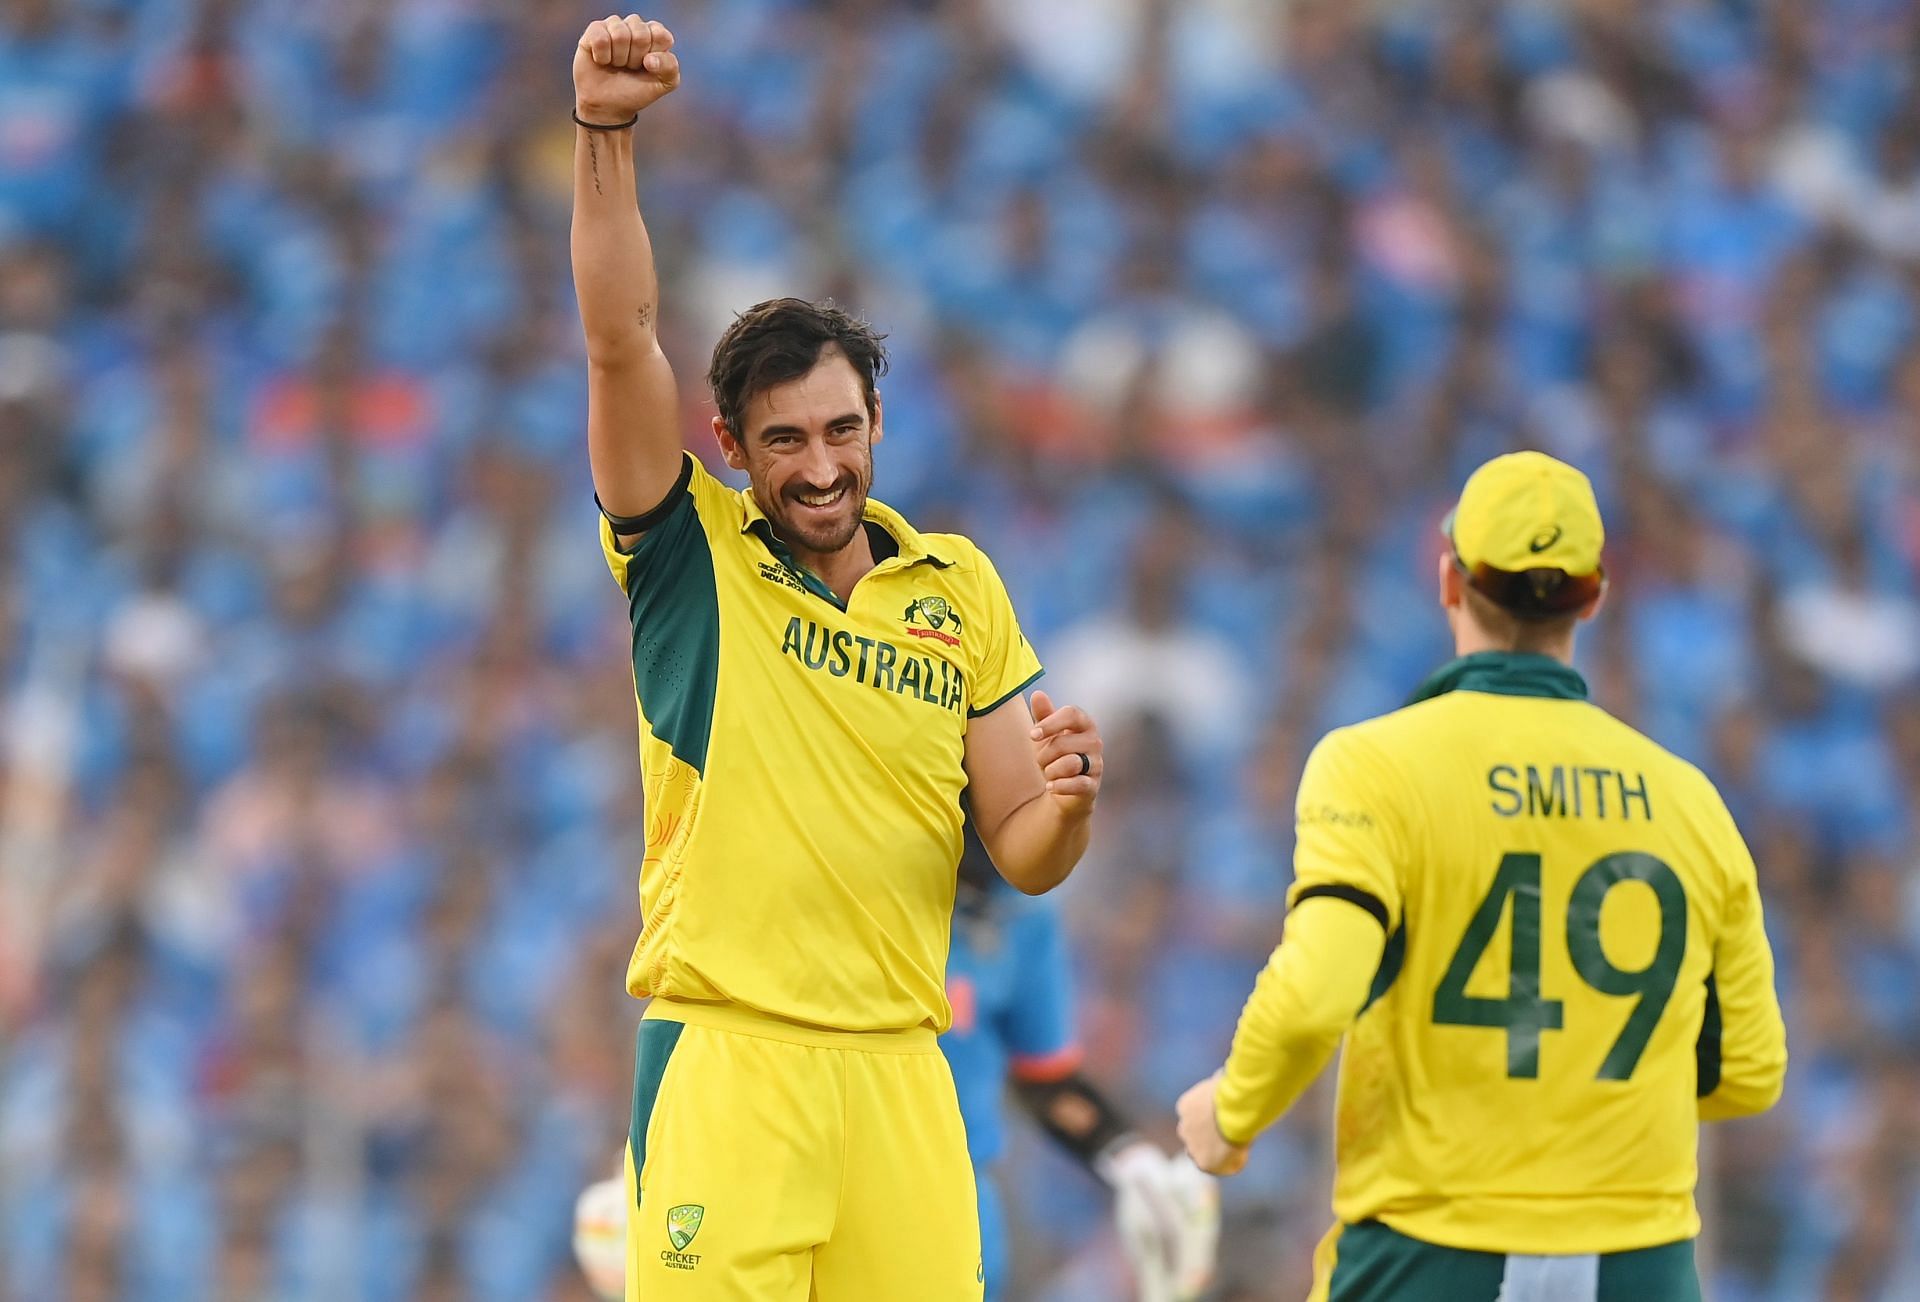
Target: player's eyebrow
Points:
(845, 418)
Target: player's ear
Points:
(730, 448)
(1599, 600)
(879, 430)
(1452, 582)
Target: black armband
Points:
(631, 524)
(1075, 1114)
(1366, 901)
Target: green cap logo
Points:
(683, 1222)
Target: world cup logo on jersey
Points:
(933, 617)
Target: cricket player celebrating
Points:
(1541, 936)
(818, 684)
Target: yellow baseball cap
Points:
(1527, 511)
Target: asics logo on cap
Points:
(1544, 539)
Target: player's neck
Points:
(841, 569)
(1470, 639)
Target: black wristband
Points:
(603, 126)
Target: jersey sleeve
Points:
(1005, 663)
(1306, 997)
(678, 532)
(1037, 1027)
(1742, 1050)
(1346, 899)
(1347, 839)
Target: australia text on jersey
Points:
(876, 662)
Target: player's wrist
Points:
(596, 116)
(1221, 1129)
(1072, 811)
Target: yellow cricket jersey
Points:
(1574, 971)
(802, 760)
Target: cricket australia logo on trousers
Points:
(683, 1222)
(932, 617)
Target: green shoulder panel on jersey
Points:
(675, 611)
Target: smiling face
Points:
(807, 446)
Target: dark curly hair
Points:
(782, 339)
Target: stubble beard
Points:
(826, 539)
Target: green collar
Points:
(909, 544)
(762, 529)
(1504, 673)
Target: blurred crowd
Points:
(318, 814)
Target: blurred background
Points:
(318, 815)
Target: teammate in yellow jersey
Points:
(1540, 935)
(824, 693)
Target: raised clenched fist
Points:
(621, 66)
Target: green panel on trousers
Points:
(651, 1049)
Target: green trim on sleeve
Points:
(989, 709)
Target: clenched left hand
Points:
(1071, 755)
